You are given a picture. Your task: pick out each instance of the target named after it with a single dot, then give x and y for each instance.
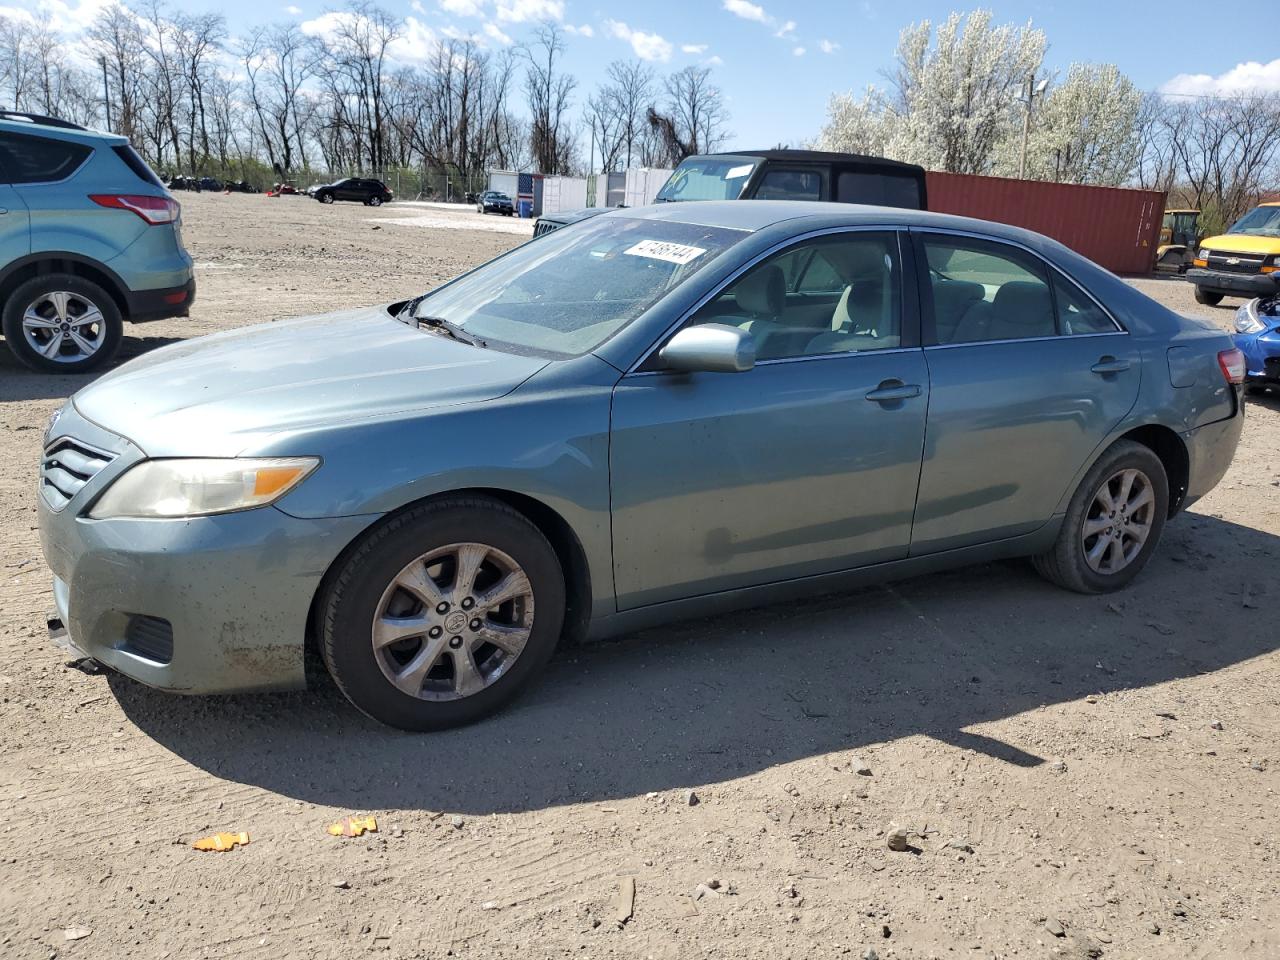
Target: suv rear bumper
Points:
(145, 305)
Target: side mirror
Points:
(710, 348)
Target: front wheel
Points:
(443, 614)
(1208, 297)
(325, 197)
(1113, 522)
(62, 323)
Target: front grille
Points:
(545, 226)
(149, 637)
(67, 466)
(1236, 262)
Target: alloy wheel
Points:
(1118, 522)
(453, 622)
(64, 327)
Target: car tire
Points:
(325, 197)
(428, 680)
(1256, 390)
(1207, 297)
(375, 201)
(1073, 562)
(66, 300)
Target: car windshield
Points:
(567, 292)
(1260, 221)
(708, 178)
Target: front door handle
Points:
(890, 390)
(3, 211)
(1110, 365)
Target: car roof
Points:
(69, 132)
(824, 156)
(754, 215)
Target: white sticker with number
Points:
(670, 252)
(742, 171)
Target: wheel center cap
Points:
(66, 328)
(455, 622)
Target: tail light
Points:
(154, 210)
(1232, 364)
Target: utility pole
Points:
(1032, 92)
(106, 91)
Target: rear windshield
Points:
(567, 292)
(881, 189)
(137, 164)
(708, 178)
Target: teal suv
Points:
(89, 238)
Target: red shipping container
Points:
(1115, 227)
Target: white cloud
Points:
(293, 10)
(521, 11)
(694, 48)
(325, 25)
(798, 51)
(62, 17)
(713, 61)
(1248, 77)
(827, 46)
(494, 32)
(786, 29)
(646, 46)
(586, 30)
(747, 11)
(459, 8)
(417, 44)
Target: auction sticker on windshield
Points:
(662, 250)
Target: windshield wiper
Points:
(443, 326)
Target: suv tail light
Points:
(154, 210)
(1232, 364)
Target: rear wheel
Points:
(443, 614)
(375, 201)
(1113, 522)
(62, 323)
(1207, 297)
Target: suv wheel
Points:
(61, 323)
(325, 197)
(375, 201)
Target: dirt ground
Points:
(1104, 768)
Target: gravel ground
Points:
(1078, 774)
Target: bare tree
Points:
(548, 89)
(695, 115)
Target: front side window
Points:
(834, 294)
(987, 291)
(26, 159)
(570, 290)
(790, 185)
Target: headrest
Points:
(951, 296)
(1023, 302)
(854, 260)
(762, 292)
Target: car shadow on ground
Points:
(706, 701)
(19, 383)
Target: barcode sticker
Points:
(661, 250)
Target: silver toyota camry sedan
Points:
(657, 413)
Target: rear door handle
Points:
(1110, 365)
(3, 210)
(890, 390)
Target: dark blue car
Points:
(1258, 338)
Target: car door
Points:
(806, 464)
(1028, 375)
(15, 219)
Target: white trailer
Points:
(504, 181)
(643, 184)
(560, 194)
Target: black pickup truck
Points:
(780, 175)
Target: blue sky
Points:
(778, 62)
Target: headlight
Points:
(1247, 319)
(196, 488)
(1203, 254)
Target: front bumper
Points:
(232, 592)
(1235, 284)
(1261, 355)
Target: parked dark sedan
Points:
(491, 201)
(372, 193)
(664, 412)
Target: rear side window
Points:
(879, 189)
(1077, 314)
(136, 164)
(27, 159)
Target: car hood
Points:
(225, 394)
(1241, 243)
